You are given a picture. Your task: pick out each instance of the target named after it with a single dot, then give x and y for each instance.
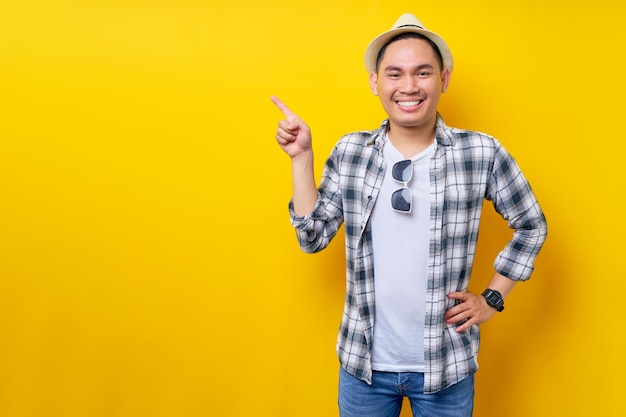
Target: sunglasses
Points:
(401, 199)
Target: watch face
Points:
(494, 299)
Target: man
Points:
(410, 196)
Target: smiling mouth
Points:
(408, 104)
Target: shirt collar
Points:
(442, 133)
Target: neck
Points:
(411, 140)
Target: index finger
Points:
(282, 107)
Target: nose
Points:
(409, 84)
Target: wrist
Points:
(306, 156)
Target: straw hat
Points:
(405, 24)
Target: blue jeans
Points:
(384, 397)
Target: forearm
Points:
(304, 187)
(502, 284)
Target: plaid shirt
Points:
(466, 168)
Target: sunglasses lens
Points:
(401, 200)
(402, 171)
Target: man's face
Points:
(409, 83)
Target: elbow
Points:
(310, 243)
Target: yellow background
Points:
(147, 264)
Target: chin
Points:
(409, 123)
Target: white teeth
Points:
(408, 103)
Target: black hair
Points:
(409, 35)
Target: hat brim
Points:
(371, 53)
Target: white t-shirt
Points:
(401, 248)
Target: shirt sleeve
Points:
(314, 231)
(515, 201)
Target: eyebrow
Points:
(419, 67)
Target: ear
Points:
(445, 80)
(374, 83)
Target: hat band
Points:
(409, 26)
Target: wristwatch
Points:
(494, 299)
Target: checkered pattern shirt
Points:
(467, 167)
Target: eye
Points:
(423, 74)
(393, 75)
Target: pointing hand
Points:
(293, 135)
